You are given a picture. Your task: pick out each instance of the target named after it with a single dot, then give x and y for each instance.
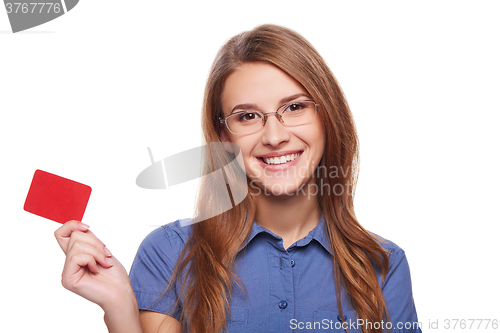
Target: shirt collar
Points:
(318, 233)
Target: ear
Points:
(225, 141)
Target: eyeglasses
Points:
(291, 114)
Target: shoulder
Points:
(166, 241)
(178, 231)
(399, 269)
(397, 256)
(392, 249)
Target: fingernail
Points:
(107, 252)
(83, 225)
(109, 261)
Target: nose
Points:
(274, 133)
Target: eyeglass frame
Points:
(265, 116)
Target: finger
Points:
(74, 269)
(64, 232)
(81, 247)
(89, 238)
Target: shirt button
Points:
(292, 262)
(282, 305)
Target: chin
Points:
(275, 188)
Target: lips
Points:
(279, 160)
(279, 153)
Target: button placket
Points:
(281, 287)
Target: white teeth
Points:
(281, 159)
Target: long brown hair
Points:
(206, 262)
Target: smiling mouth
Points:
(277, 160)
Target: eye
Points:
(294, 107)
(248, 116)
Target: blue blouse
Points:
(288, 290)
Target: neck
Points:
(290, 217)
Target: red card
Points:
(56, 198)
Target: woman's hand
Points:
(90, 270)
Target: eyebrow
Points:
(247, 106)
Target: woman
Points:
(292, 254)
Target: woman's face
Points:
(264, 87)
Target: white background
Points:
(84, 95)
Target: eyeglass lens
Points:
(292, 114)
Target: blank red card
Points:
(56, 198)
